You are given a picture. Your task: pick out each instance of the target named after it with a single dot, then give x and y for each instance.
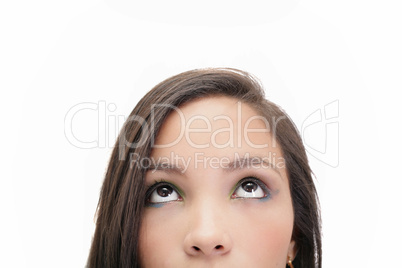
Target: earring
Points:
(290, 262)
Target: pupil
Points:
(249, 186)
(164, 191)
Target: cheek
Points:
(265, 235)
(159, 238)
(273, 238)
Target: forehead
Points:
(215, 126)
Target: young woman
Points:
(208, 173)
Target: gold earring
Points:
(290, 262)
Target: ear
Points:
(292, 250)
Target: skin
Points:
(209, 222)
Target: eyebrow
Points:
(239, 163)
(168, 168)
(245, 162)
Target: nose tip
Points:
(207, 244)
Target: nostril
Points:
(218, 247)
(196, 248)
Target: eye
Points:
(162, 192)
(250, 187)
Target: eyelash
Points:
(254, 179)
(155, 186)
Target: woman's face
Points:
(219, 193)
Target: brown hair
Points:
(122, 198)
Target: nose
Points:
(207, 235)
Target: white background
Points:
(57, 54)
